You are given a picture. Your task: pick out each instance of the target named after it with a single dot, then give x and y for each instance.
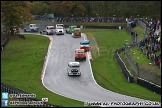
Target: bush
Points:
(22, 36)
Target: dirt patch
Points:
(96, 44)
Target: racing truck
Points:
(70, 29)
(32, 28)
(59, 30)
(85, 44)
(48, 31)
(74, 69)
(59, 25)
(80, 55)
(76, 33)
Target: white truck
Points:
(74, 69)
(32, 28)
(50, 30)
(59, 25)
(59, 30)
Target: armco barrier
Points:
(98, 27)
(103, 27)
(13, 90)
(151, 86)
(125, 71)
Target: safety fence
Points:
(142, 82)
(146, 78)
(12, 90)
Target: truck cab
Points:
(59, 25)
(85, 44)
(32, 28)
(50, 30)
(70, 29)
(74, 69)
(59, 30)
(76, 33)
(80, 55)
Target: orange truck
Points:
(76, 33)
(80, 55)
(85, 44)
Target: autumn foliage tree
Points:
(39, 8)
(14, 14)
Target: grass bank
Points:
(22, 64)
(105, 68)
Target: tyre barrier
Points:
(13, 90)
(4, 43)
(103, 27)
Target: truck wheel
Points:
(76, 59)
(85, 59)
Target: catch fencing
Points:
(145, 77)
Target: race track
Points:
(82, 88)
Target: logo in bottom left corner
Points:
(4, 102)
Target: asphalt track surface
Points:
(83, 88)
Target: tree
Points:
(39, 8)
(14, 14)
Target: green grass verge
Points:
(105, 68)
(140, 31)
(22, 64)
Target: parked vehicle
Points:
(16, 31)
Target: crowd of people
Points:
(152, 44)
(82, 19)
